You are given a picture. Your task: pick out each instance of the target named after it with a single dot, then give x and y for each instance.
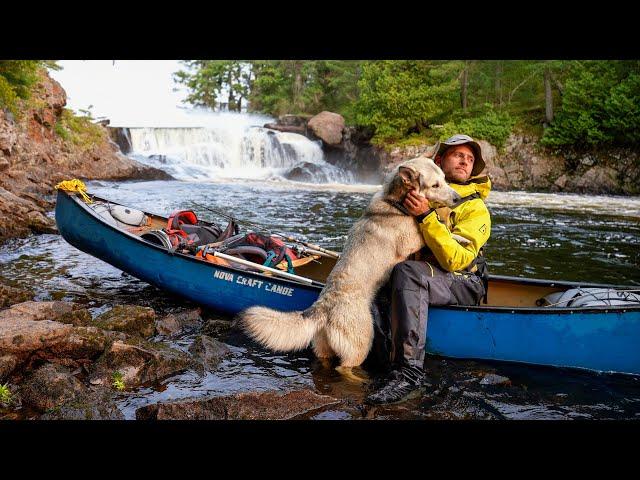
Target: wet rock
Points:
(216, 327)
(242, 406)
(328, 126)
(51, 386)
(82, 343)
(209, 352)
(306, 172)
(175, 323)
(12, 295)
(301, 130)
(130, 319)
(493, 379)
(95, 405)
(36, 311)
(23, 336)
(137, 362)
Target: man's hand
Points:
(415, 203)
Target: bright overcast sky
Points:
(127, 92)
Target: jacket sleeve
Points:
(472, 222)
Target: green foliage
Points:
(6, 397)
(494, 127)
(400, 97)
(80, 130)
(118, 381)
(600, 106)
(17, 77)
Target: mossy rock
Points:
(134, 320)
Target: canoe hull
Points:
(217, 287)
(595, 340)
(598, 339)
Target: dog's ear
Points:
(408, 175)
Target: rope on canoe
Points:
(74, 185)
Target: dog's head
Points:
(423, 175)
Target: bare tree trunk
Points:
(548, 97)
(297, 86)
(498, 83)
(231, 100)
(464, 84)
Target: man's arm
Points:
(473, 223)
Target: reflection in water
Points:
(568, 237)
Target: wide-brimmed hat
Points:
(478, 164)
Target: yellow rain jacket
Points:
(470, 220)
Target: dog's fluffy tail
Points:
(280, 331)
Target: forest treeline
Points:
(565, 102)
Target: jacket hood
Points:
(480, 185)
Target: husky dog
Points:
(340, 323)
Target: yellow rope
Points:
(74, 185)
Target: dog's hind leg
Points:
(348, 374)
(352, 345)
(322, 349)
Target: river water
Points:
(552, 236)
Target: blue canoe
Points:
(509, 328)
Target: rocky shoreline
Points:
(59, 363)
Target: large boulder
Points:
(328, 126)
(243, 406)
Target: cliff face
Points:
(34, 157)
(524, 165)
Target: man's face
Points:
(457, 163)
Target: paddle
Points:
(278, 273)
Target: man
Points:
(448, 273)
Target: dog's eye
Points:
(436, 185)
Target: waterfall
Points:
(230, 146)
